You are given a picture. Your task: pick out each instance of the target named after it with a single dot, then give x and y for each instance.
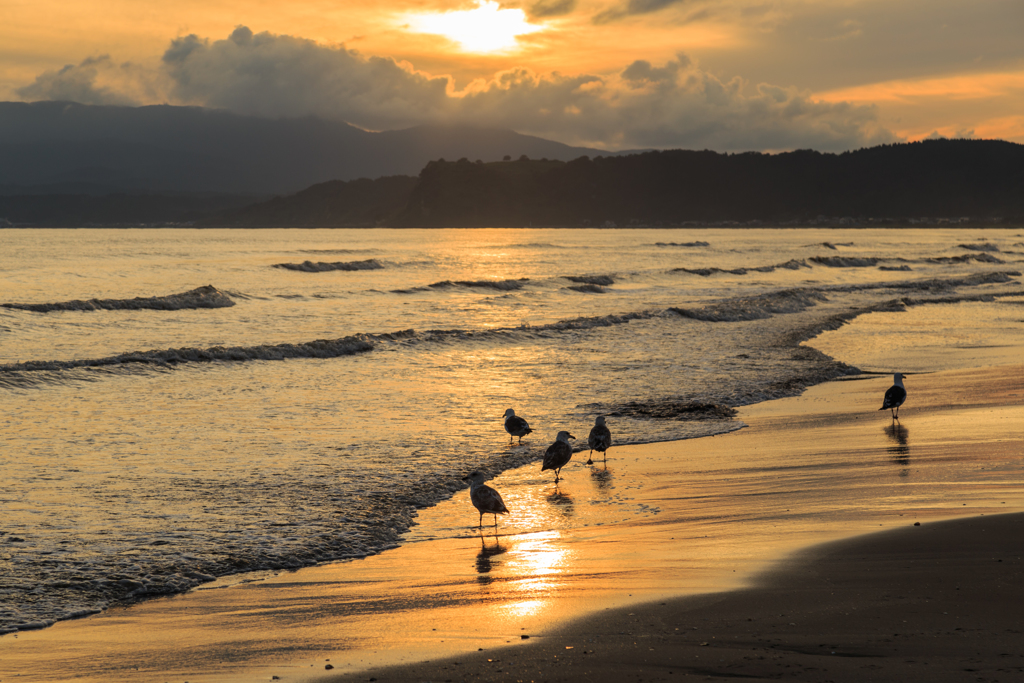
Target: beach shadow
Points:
(562, 502)
(602, 479)
(484, 562)
(899, 453)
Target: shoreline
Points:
(429, 598)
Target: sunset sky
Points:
(728, 75)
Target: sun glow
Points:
(488, 28)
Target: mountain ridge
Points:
(165, 148)
(889, 184)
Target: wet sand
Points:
(647, 530)
(936, 602)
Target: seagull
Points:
(515, 426)
(600, 439)
(558, 454)
(895, 396)
(484, 498)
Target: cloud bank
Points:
(675, 104)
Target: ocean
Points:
(180, 405)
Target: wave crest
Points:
(323, 267)
(672, 409)
(791, 264)
(604, 280)
(207, 296)
(698, 243)
(754, 307)
(847, 261)
(965, 258)
(321, 348)
(501, 285)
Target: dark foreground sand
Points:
(943, 601)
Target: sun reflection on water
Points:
(534, 566)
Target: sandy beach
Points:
(935, 602)
(662, 592)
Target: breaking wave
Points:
(672, 409)
(754, 307)
(200, 297)
(500, 285)
(335, 251)
(847, 261)
(830, 245)
(728, 310)
(321, 348)
(588, 288)
(985, 246)
(981, 258)
(323, 267)
(869, 261)
(792, 264)
(604, 280)
(682, 244)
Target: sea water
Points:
(178, 405)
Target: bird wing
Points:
(600, 438)
(515, 424)
(894, 397)
(556, 455)
(486, 499)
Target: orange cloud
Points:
(955, 87)
(984, 105)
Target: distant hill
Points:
(62, 147)
(337, 203)
(979, 179)
(934, 178)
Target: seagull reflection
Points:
(602, 478)
(561, 501)
(899, 454)
(484, 564)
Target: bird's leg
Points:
(590, 458)
(481, 526)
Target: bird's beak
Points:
(571, 436)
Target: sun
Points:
(488, 28)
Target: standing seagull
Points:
(558, 454)
(515, 426)
(600, 439)
(484, 498)
(895, 396)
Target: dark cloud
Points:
(675, 104)
(634, 7)
(641, 72)
(279, 75)
(550, 8)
